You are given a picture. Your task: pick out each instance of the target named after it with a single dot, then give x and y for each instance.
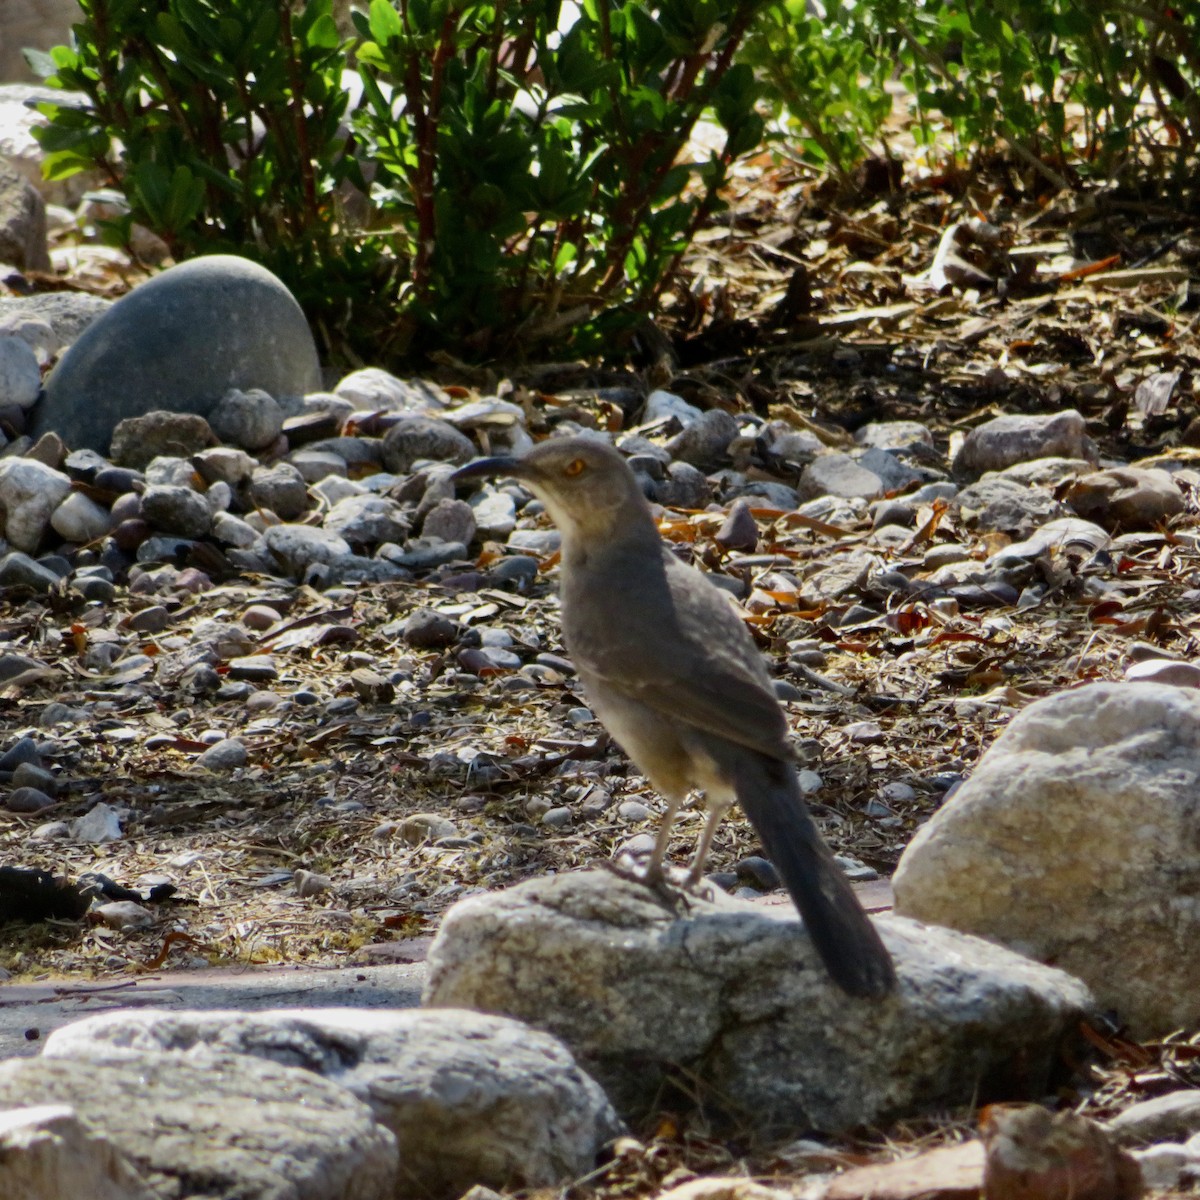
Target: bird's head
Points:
(586, 486)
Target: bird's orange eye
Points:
(574, 467)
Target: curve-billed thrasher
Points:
(674, 675)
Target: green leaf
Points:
(384, 22)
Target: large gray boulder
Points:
(733, 995)
(1077, 841)
(470, 1099)
(179, 342)
(211, 1124)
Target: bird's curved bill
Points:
(500, 465)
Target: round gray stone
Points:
(180, 341)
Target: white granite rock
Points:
(470, 1099)
(80, 519)
(1074, 841)
(735, 996)
(29, 492)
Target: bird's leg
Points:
(717, 808)
(655, 873)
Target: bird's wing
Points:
(672, 640)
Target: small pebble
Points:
(758, 872)
(558, 817)
(28, 800)
(226, 755)
(99, 824)
(124, 915)
(633, 811)
(425, 827)
(309, 883)
(260, 617)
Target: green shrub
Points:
(525, 183)
(223, 124)
(994, 74)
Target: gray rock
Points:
(684, 487)
(536, 541)
(99, 824)
(416, 438)
(19, 570)
(176, 510)
(1129, 497)
(450, 521)
(315, 465)
(1062, 533)
(893, 473)
(766, 493)
(894, 435)
(296, 547)
(353, 451)
(375, 388)
(281, 489)
(1074, 841)
(28, 800)
(703, 442)
(22, 221)
(1045, 472)
(80, 519)
(1017, 437)
(495, 513)
(226, 755)
(23, 750)
(169, 469)
(67, 313)
(219, 1124)
(20, 375)
(124, 915)
(29, 492)
(736, 996)
(663, 405)
(367, 520)
(224, 464)
(837, 474)
(1003, 506)
(421, 554)
(739, 530)
(47, 1153)
(1173, 1117)
(470, 1099)
(233, 531)
(180, 341)
(429, 630)
(137, 441)
(251, 419)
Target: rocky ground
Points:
(313, 741)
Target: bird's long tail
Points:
(845, 938)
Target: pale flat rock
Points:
(1074, 841)
(943, 1173)
(734, 994)
(213, 1124)
(46, 1153)
(1173, 1117)
(471, 1099)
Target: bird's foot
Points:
(666, 891)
